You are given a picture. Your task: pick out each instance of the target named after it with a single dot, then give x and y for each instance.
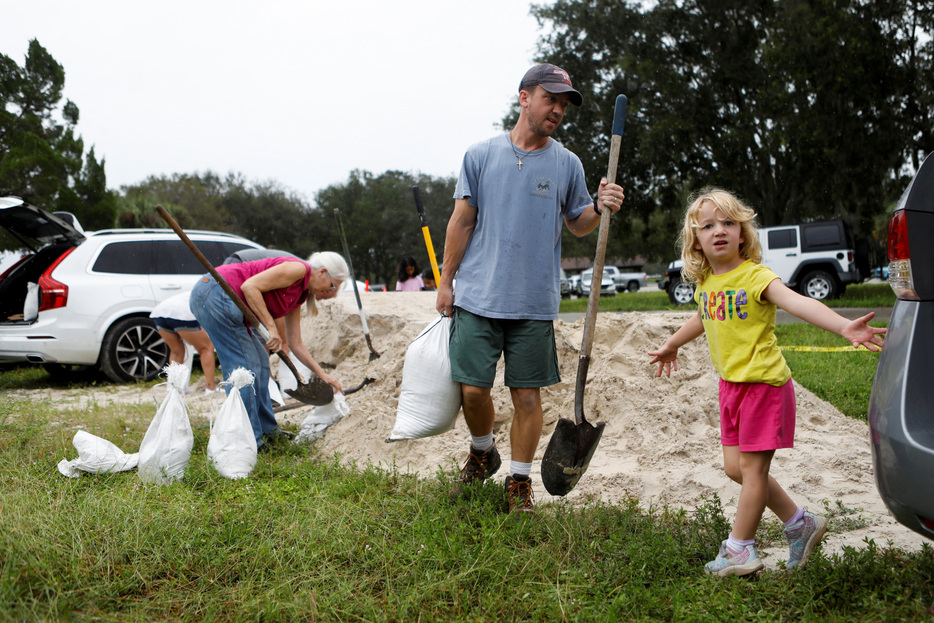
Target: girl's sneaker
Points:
(727, 563)
(804, 539)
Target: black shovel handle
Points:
(593, 301)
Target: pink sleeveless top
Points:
(280, 301)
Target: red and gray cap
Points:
(551, 78)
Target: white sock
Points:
(482, 443)
(736, 546)
(520, 469)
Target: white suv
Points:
(95, 291)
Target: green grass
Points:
(304, 538)
(653, 299)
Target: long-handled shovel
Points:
(573, 443)
(424, 221)
(314, 392)
(353, 280)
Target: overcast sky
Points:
(300, 92)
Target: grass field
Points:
(307, 539)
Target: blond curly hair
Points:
(696, 265)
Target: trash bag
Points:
(96, 456)
(428, 400)
(232, 446)
(166, 448)
(321, 418)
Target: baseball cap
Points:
(551, 78)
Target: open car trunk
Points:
(42, 238)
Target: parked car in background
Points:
(901, 412)
(563, 285)
(816, 259)
(607, 285)
(94, 291)
(574, 285)
(626, 281)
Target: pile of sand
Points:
(661, 442)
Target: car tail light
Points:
(54, 292)
(900, 277)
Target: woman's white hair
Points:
(337, 270)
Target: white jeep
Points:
(816, 259)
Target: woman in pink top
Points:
(410, 278)
(273, 288)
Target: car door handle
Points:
(791, 255)
(170, 287)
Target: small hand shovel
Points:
(315, 392)
(573, 444)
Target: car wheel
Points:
(633, 286)
(819, 285)
(679, 292)
(133, 351)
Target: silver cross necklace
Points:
(515, 151)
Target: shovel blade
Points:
(568, 454)
(315, 392)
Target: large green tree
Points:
(41, 157)
(380, 220)
(808, 109)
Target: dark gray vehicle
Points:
(901, 411)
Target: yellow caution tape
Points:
(824, 349)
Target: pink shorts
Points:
(757, 416)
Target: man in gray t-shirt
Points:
(503, 244)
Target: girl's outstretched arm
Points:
(668, 353)
(857, 332)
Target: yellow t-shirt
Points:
(740, 325)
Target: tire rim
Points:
(141, 352)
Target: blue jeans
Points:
(236, 348)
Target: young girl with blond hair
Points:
(737, 299)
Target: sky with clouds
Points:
(298, 92)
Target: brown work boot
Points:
(480, 465)
(519, 494)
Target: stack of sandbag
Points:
(166, 448)
(428, 399)
(232, 446)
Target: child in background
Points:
(410, 279)
(737, 299)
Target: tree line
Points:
(808, 109)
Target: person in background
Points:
(274, 287)
(428, 278)
(737, 299)
(514, 194)
(177, 325)
(409, 279)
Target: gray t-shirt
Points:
(512, 263)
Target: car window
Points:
(783, 239)
(173, 257)
(822, 236)
(126, 258)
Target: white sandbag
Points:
(96, 456)
(275, 394)
(31, 304)
(287, 379)
(232, 446)
(428, 400)
(166, 448)
(321, 418)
